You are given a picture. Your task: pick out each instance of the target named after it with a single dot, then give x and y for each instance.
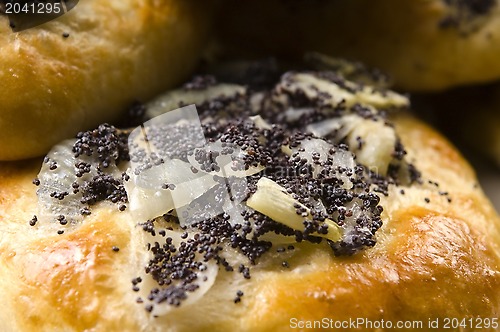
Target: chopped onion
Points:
(341, 126)
(149, 193)
(227, 163)
(260, 122)
(351, 228)
(378, 144)
(177, 98)
(334, 94)
(205, 279)
(373, 142)
(215, 201)
(325, 153)
(160, 182)
(294, 114)
(167, 136)
(60, 180)
(272, 200)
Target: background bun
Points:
(468, 115)
(425, 45)
(89, 65)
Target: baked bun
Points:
(88, 66)
(435, 256)
(425, 45)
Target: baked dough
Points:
(425, 45)
(437, 255)
(115, 53)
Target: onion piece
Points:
(60, 180)
(260, 122)
(155, 166)
(329, 126)
(272, 200)
(373, 142)
(205, 277)
(352, 228)
(149, 193)
(333, 94)
(319, 153)
(229, 160)
(212, 204)
(168, 136)
(177, 98)
(215, 201)
(377, 147)
(294, 114)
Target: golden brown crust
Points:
(425, 44)
(432, 260)
(58, 282)
(116, 53)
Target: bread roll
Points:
(435, 256)
(88, 66)
(425, 45)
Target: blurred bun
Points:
(425, 45)
(88, 66)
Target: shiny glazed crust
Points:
(116, 52)
(424, 44)
(435, 259)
